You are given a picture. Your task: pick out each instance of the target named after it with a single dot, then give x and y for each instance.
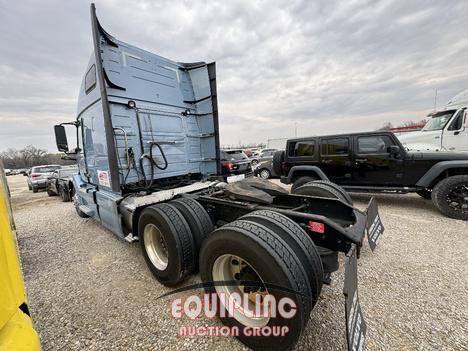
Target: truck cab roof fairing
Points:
(176, 106)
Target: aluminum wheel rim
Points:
(264, 174)
(155, 246)
(224, 269)
(457, 198)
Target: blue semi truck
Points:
(147, 149)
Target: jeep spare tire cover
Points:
(278, 159)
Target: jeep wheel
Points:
(264, 174)
(254, 162)
(424, 193)
(301, 181)
(450, 196)
(167, 243)
(34, 189)
(256, 264)
(50, 193)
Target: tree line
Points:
(389, 125)
(30, 156)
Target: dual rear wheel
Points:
(264, 257)
(170, 236)
(259, 257)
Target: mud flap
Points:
(356, 327)
(375, 227)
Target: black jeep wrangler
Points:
(375, 162)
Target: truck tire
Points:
(278, 159)
(64, 195)
(302, 181)
(245, 251)
(51, 193)
(337, 188)
(425, 194)
(298, 240)
(450, 196)
(254, 162)
(322, 190)
(198, 220)
(166, 243)
(34, 189)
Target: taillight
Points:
(35, 175)
(317, 227)
(228, 165)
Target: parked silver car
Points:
(61, 183)
(37, 178)
(265, 170)
(262, 155)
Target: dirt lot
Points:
(89, 290)
(22, 197)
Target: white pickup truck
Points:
(446, 130)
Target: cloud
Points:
(315, 66)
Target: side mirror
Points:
(393, 149)
(61, 138)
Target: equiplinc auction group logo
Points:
(254, 309)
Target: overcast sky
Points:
(324, 66)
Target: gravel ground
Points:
(89, 290)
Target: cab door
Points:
(455, 134)
(92, 160)
(336, 159)
(373, 164)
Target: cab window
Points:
(457, 122)
(335, 146)
(375, 144)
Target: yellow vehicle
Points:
(16, 328)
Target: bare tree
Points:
(389, 125)
(386, 126)
(30, 156)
